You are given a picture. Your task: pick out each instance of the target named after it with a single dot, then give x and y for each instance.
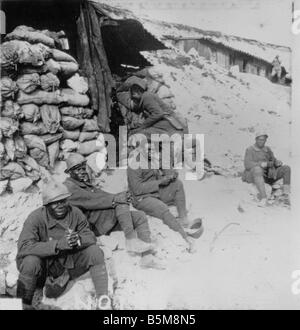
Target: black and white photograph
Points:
(149, 156)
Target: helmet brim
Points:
(58, 198)
(70, 168)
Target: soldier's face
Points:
(80, 173)
(136, 94)
(261, 141)
(58, 209)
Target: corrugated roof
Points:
(218, 42)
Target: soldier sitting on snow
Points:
(261, 166)
(108, 212)
(155, 189)
(56, 245)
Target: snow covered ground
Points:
(245, 257)
(247, 254)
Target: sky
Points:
(263, 20)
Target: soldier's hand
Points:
(121, 198)
(73, 239)
(63, 244)
(165, 180)
(264, 164)
(278, 163)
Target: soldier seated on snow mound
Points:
(56, 245)
(108, 212)
(154, 190)
(262, 167)
(159, 118)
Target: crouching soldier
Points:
(154, 190)
(108, 212)
(159, 118)
(262, 167)
(56, 245)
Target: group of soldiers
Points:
(58, 240)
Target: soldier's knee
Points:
(139, 217)
(94, 255)
(257, 171)
(179, 184)
(31, 265)
(121, 209)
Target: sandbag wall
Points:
(45, 111)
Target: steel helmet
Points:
(53, 191)
(258, 134)
(73, 160)
(133, 80)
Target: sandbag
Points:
(37, 128)
(68, 145)
(23, 32)
(20, 147)
(8, 126)
(20, 185)
(53, 152)
(164, 92)
(87, 136)
(10, 149)
(2, 150)
(19, 52)
(52, 66)
(3, 156)
(71, 123)
(153, 86)
(11, 171)
(49, 82)
(59, 55)
(34, 141)
(51, 138)
(28, 82)
(40, 156)
(40, 97)
(73, 98)
(31, 112)
(90, 125)
(9, 55)
(8, 88)
(67, 69)
(12, 110)
(88, 147)
(51, 117)
(41, 50)
(71, 135)
(77, 112)
(78, 84)
(29, 163)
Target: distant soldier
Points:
(277, 69)
(261, 166)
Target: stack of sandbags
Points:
(45, 110)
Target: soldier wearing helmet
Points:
(262, 167)
(108, 212)
(56, 245)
